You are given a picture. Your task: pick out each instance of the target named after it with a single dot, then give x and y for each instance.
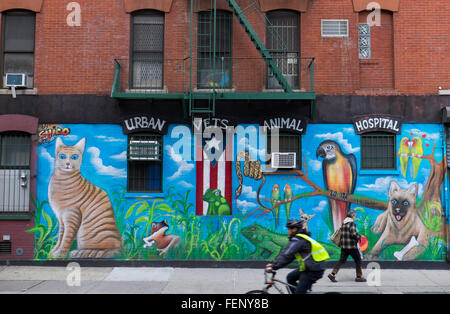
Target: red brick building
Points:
(80, 58)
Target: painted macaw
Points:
(339, 175)
(416, 154)
(276, 198)
(404, 150)
(287, 196)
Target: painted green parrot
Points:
(416, 154)
(287, 196)
(276, 198)
(405, 147)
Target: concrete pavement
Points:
(177, 280)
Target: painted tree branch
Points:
(351, 198)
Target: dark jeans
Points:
(354, 253)
(305, 280)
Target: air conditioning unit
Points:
(284, 160)
(16, 80)
(144, 150)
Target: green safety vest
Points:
(318, 252)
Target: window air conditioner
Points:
(144, 150)
(16, 80)
(284, 160)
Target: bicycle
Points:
(272, 283)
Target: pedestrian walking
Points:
(349, 246)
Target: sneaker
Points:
(360, 279)
(332, 277)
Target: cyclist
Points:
(309, 253)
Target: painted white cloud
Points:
(185, 184)
(339, 137)
(382, 185)
(245, 205)
(121, 157)
(316, 165)
(183, 166)
(109, 139)
(431, 136)
(97, 162)
(321, 206)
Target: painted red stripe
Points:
(213, 176)
(199, 175)
(229, 183)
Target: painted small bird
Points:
(287, 197)
(404, 151)
(276, 198)
(339, 175)
(416, 154)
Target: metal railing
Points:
(229, 77)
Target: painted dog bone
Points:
(412, 243)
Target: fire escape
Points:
(244, 78)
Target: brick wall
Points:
(79, 60)
(19, 238)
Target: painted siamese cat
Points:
(83, 209)
(400, 222)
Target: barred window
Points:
(18, 29)
(15, 150)
(283, 43)
(145, 160)
(147, 50)
(378, 151)
(288, 143)
(214, 72)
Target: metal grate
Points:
(148, 50)
(283, 42)
(145, 163)
(334, 28)
(214, 71)
(378, 151)
(5, 247)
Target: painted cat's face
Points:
(401, 201)
(69, 158)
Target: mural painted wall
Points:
(227, 204)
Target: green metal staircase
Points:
(259, 45)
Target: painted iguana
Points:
(265, 241)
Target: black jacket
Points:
(298, 245)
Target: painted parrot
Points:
(404, 150)
(287, 196)
(276, 197)
(416, 150)
(339, 175)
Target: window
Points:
(15, 150)
(15, 155)
(214, 72)
(145, 158)
(378, 151)
(364, 40)
(18, 44)
(288, 143)
(147, 51)
(334, 28)
(283, 43)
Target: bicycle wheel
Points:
(257, 292)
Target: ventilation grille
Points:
(5, 247)
(334, 28)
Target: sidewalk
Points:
(173, 280)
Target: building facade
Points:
(194, 129)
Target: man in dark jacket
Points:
(349, 246)
(310, 254)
